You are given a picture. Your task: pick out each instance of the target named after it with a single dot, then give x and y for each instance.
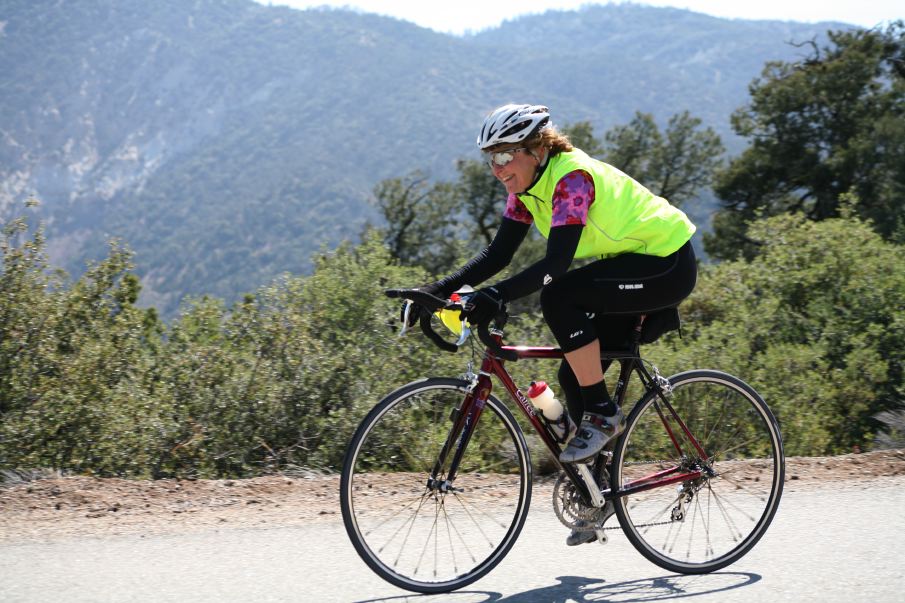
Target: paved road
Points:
(824, 546)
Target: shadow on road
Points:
(576, 588)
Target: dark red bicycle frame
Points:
(469, 412)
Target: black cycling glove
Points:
(415, 312)
(483, 306)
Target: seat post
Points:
(636, 333)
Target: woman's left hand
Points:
(483, 306)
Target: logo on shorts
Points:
(547, 279)
(575, 334)
(632, 286)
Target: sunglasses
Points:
(502, 158)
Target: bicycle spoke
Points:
(452, 549)
(396, 514)
(705, 524)
(675, 529)
(707, 528)
(719, 420)
(465, 544)
(694, 515)
(731, 524)
(407, 534)
(737, 446)
(493, 467)
(723, 501)
(654, 518)
(468, 512)
(725, 509)
(759, 495)
(427, 541)
(424, 533)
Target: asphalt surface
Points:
(824, 545)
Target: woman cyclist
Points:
(585, 209)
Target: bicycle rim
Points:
(421, 538)
(703, 524)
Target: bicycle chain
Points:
(643, 525)
(649, 463)
(640, 525)
(566, 504)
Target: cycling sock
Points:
(597, 400)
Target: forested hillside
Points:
(806, 305)
(226, 142)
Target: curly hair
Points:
(552, 139)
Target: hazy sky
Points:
(458, 16)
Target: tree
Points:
(483, 197)
(434, 225)
(830, 124)
(630, 147)
(675, 164)
(581, 135)
(75, 360)
(813, 320)
(419, 227)
(89, 383)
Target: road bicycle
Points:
(437, 480)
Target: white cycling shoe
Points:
(593, 434)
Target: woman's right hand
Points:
(414, 312)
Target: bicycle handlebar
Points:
(488, 340)
(432, 303)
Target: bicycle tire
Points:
(395, 520)
(734, 506)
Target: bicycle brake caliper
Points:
(662, 383)
(471, 377)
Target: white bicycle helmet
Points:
(512, 123)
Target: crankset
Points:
(572, 512)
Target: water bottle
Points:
(544, 400)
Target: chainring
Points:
(569, 508)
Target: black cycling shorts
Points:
(579, 306)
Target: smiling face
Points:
(518, 174)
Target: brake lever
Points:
(405, 317)
(464, 334)
(425, 318)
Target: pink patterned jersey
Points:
(572, 199)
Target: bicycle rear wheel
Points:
(703, 524)
(411, 532)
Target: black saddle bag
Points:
(615, 330)
(660, 322)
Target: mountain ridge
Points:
(227, 141)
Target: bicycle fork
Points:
(465, 418)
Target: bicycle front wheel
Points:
(703, 523)
(412, 532)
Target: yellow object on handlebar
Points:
(452, 319)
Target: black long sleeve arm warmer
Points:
(561, 246)
(490, 261)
